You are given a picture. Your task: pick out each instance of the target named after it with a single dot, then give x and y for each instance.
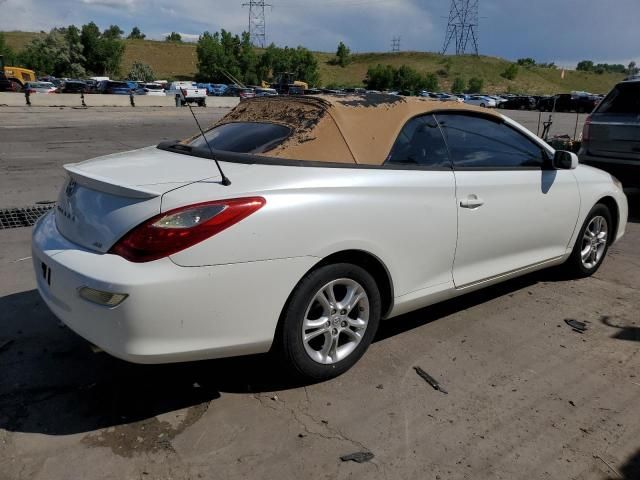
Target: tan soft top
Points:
(352, 129)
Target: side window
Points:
(478, 142)
(420, 143)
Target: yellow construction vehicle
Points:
(285, 84)
(10, 77)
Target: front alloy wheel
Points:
(592, 243)
(329, 321)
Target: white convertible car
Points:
(337, 213)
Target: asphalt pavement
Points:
(528, 397)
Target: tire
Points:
(202, 103)
(482, 105)
(317, 359)
(575, 265)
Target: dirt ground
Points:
(528, 397)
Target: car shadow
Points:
(631, 468)
(624, 332)
(634, 207)
(53, 383)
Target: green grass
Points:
(178, 61)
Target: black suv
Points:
(611, 135)
(565, 102)
(518, 103)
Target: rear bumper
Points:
(627, 171)
(172, 313)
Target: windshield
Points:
(243, 137)
(624, 98)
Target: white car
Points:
(153, 89)
(480, 101)
(40, 87)
(331, 213)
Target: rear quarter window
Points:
(243, 137)
(624, 98)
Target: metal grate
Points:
(22, 217)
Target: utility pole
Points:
(462, 26)
(395, 44)
(257, 28)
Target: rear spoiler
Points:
(102, 184)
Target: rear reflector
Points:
(585, 129)
(106, 299)
(182, 228)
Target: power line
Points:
(395, 44)
(257, 23)
(462, 26)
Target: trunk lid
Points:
(617, 137)
(615, 125)
(107, 196)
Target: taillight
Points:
(586, 128)
(183, 227)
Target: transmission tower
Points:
(462, 26)
(395, 44)
(257, 29)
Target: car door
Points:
(514, 211)
(424, 176)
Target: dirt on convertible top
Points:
(345, 129)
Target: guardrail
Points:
(12, 99)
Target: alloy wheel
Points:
(335, 321)
(594, 242)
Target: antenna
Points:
(395, 44)
(462, 26)
(225, 181)
(257, 28)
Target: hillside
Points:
(170, 60)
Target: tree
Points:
(431, 82)
(632, 69)
(458, 85)
(141, 72)
(57, 53)
(173, 37)
(405, 78)
(113, 32)
(103, 51)
(585, 66)
(475, 85)
(380, 77)
(343, 55)
(526, 62)
(136, 34)
(6, 51)
(511, 72)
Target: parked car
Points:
(611, 134)
(480, 101)
(39, 87)
(566, 102)
(188, 92)
(111, 87)
(155, 258)
(72, 86)
(214, 89)
(518, 103)
(265, 92)
(246, 93)
(153, 89)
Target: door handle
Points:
(472, 201)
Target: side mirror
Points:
(564, 160)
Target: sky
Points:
(564, 31)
